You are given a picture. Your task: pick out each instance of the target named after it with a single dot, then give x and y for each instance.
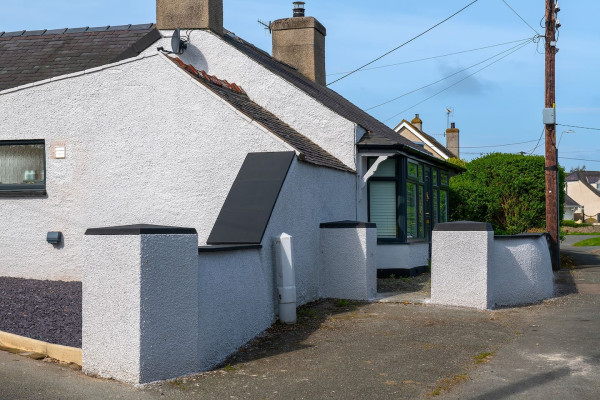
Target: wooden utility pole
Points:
(551, 155)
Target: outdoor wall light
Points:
(54, 237)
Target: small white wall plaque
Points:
(59, 150)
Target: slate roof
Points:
(378, 132)
(570, 202)
(586, 177)
(31, 56)
(431, 139)
(237, 97)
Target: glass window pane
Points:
(21, 164)
(411, 210)
(382, 208)
(436, 195)
(444, 176)
(443, 206)
(435, 177)
(412, 169)
(421, 213)
(420, 170)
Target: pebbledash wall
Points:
(473, 268)
(125, 126)
(210, 52)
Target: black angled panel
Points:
(249, 204)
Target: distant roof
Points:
(31, 56)
(310, 152)
(570, 202)
(378, 132)
(585, 177)
(431, 139)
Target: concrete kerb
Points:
(56, 351)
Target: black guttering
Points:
(140, 229)
(347, 224)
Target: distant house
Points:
(570, 208)
(413, 131)
(583, 187)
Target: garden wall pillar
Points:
(459, 263)
(140, 302)
(348, 260)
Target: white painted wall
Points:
(207, 51)
(140, 310)
(520, 271)
(409, 255)
(459, 268)
(144, 144)
(111, 313)
(349, 263)
(474, 269)
(237, 296)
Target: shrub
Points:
(506, 190)
(569, 223)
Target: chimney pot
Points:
(453, 125)
(417, 122)
(299, 9)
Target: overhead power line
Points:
(405, 43)
(459, 81)
(497, 145)
(579, 127)
(522, 19)
(539, 140)
(434, 57)
(578, 159)
(446, 77)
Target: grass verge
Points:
(588, 242)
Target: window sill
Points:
(24, 193)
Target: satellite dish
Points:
(177, 44)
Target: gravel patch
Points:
(42, 310)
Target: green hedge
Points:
(506, 190)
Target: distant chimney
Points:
(452, 136)
(190, 14)
(300, 42)
(417, 122)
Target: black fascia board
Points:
(409, 151)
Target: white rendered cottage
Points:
(98, 128)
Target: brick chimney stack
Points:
(300, 42)
(452, 140)
(190, 14)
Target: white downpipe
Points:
(286, 281)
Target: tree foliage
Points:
(506, 190)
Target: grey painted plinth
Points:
(140, 303)
(348, 260)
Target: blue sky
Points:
(502, 104)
